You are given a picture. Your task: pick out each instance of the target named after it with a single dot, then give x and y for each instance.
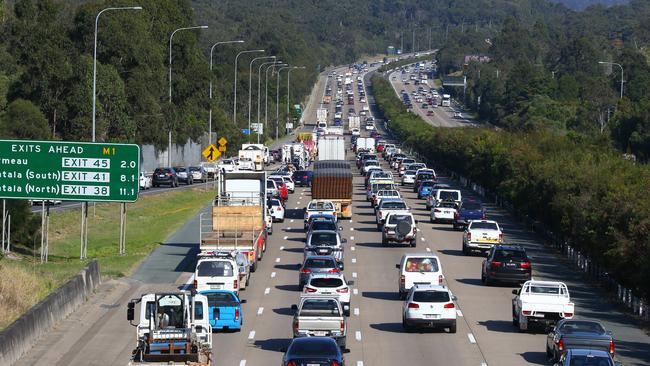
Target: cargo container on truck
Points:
(331, 148)
(446, 100)
(332, 181)
(237, 219)
(366, 143)
(321, 115)
(354, 122)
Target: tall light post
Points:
(210, 115)
(171, 38)
(95, 59)
(259, 91)
(619, 65)
(234, 107)
(277, 102)
(250, 91)
(266, 91)
(289, 86)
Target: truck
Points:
(366, 143)
(354, 122)
(172, 329)
(320, 316)
(332, 181)
(541, 302)
(266, 153)
(446, 100)
(255, 154)
(237, 219)
(335, 130)
(331, 148)
(321, 115)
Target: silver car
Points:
(325, 242)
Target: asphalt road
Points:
(98, 333)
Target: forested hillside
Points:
(582, 4)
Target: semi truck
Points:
(331, 148)
(171, 329)
(237, 219)
(354, 122)
(321, 115)
(332, 181)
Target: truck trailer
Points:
(331, 148)
(332, 181)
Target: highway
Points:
(98, 333)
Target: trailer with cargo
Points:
(332, 181)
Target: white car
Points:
(444, 211)
(369, 164)
(276, 210)
(355, 132)
(418, 269)
(286, 179)
(145, 180)
(542, 302)
(198, 173)
(481, 235)
(370, 126)
(429, 306)
(385, 193)
(408, 177)
(246, 164)
(319, 207)
(333, 284)
(227, 165)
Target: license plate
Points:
(487, 240)
(320, 334)
(432, 316)
(447, 212)
(511, 265)
(313, 364)
(161, 176)
(216, 287)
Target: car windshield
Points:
(376, 187)
(327, 239)
(471, 206)
(426, 183)
(215, 269)
(394, 219)
(388, 193)
(447, 204)
(421, 265)
(178, 170)
(509, 254)
(393, 205)
(323, 225)
(326, 282)
(590, 360)
(195, 169)
(320, 307)
(220, 298)
(546, 289)
(449, 195)
(409, 172)
(407, 161)
(320, 206)
(312, 347)
(371, 163)
(320, 263)
(270, 184)
(431, 296)
(161, 171)
(484, 225)
(425, 176)
(573, 326)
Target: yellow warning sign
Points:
(222, 148)
(211, 153)
(222, 141)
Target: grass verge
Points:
(24, 281)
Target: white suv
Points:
(216, 273)
(429, 306)
(333, 284)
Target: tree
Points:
(23, 120)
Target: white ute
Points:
(541, 302)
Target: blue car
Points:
(469, 210)
(302, 177)
(425, 188)
(225, 309)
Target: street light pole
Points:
(259, 91)
(289, 86)
(250, 91)
(171, 38)
(210, 114)
(277, 103)
(234, 113)
(619, 65)
(266, 91)
(95, 60)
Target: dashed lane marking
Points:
(242, 363)
(357, 335)
(354, 274)
(291, 221)
(272, 274)
(428, 249)
(422, 239)
(354, 260)
(286, 237)
(355, 291)
(352, 238)
(281, 248)
(277, 260)
(260, 310)
(251, 335)
(472, 340)
(356, 311)
(351, 229)
(459, 313)
(359, 363)
(267, 291)
(353, 248)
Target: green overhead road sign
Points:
(71, 171)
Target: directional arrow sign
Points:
(211, 153)
(222, 141)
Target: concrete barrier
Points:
(20, 336)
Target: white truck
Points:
(266, 153)
(321, 116)
(335, 130)
(541, 302)
(446, 100)
(254, 153)
(331, 148)
(171, 329)
(366, 143)
(354, 122)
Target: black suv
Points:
(166, 176)
(507, 263)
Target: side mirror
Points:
(346, 350)
(346, 307)
(609, 332)
(130, 312)
(340, 265)
(515, 292)
(397, 266)
(454, 298)
(344, 240)
(294, 307)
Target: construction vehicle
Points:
(169, 332)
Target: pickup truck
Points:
(319, 207)
(481, 235)
(320, 315)
(578, 334)
(541, 302)
(387, 206)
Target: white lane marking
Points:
(428, 250)
(354, 260)
(353, 248)
(242, 363)
(251, 335)
(272, 274)
(286, 237)
(291, 221)
(360, 363)
(459, 313)
(355, 291)
(357, 335)
(422, 239)
(352, 238)
(356, 311)
(351, 229)
(277, 260)
(351, 220)
(296, 208)
(298, 202)
(484, 364)
(260, 310)
(267, 291)
(281, 248)
(471, 338)
(354, 274)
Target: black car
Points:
(578, 334)
(184, 175)
(313, 351)
(507, 263)
(302, 177)
(165, 176)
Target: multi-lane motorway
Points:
(98, 333)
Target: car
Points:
(225, 309)
(303, 177)
(145, 181)
(506, 263)
(467, 211)
(333, 284)
(408, 177)
(443, 212)
(313, 351)
(272, 189)
(286, 179)
(578, 334)
(355, 131)
(387, 206)
(481, 235)
(276, 209)
(370, 126)
(184, 175)
(400, 227)
(319, 315)
(165, 176)
(430, 112)
(283, 190)
(430, 199)
(542, 303)
(422, 175)
(198, 173)
(418, 269)
(385, 194)
(444, 194)
(319, 207)
(368, 164)
(322, 222)
(325, 242)
(317, 264)
(216, 271)
(429, 306)
(458, 115)
(425, 187)
(228, 165)
(377, 186)
(587, 357)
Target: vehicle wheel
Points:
(414, 242)
(488, 281)
(406, 327)
(455, 227)
(254, 267)
(452, 328)
(465, 250)
(384, 241)
(482, 278)
(515, 319)
(346, 312)
(549, 355)
(402, 295)
(282, 219)
(378, 227)
(432, 220)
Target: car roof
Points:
(422, 287)
(587, 352)
(326, 275)
(485, 221)
(320, 257)
(218, 291)
(420, 255)
(509, 247)
(324, 232)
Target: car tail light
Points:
(342, 326)
(196, 284)
(484, 216)
(568, 315)
(450, 306)
(560, 345)
(440, 278)
(334, 270)
(495, 264)
(309, 289)
(296, 326)
(527, 312)
(291, 363)
(469, 236)
(413, 305)
(305, 270)
(525, 265)
(234, 284)
(402, 279)
(236, 314)
(456, 215)
(342, 290)
(501, 237)
(335, 363)
(612, 347)
(169, 174)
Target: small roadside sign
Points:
(222, 149)
(211, 153)
(245, 131)
(222, 141)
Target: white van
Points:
(418, 269)
(216, 273)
